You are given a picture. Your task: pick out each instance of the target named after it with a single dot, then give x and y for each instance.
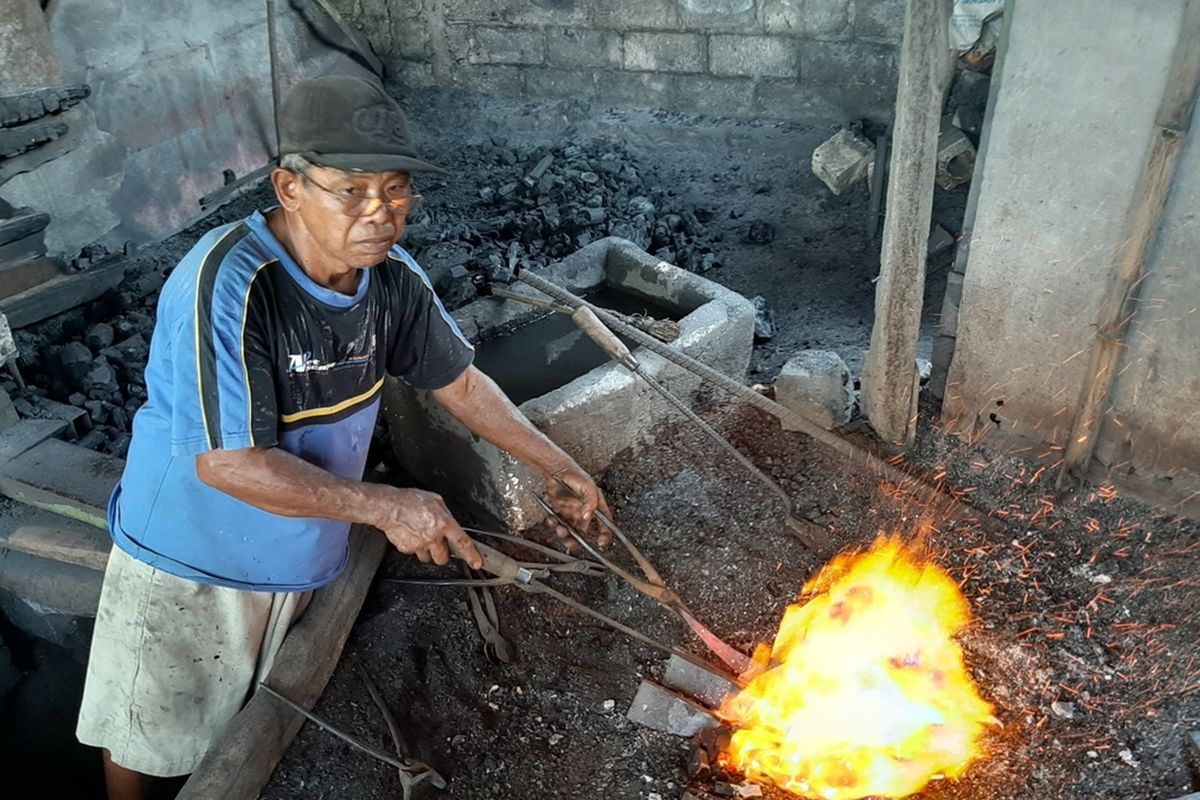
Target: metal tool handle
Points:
(501, 565)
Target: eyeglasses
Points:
(362, 206)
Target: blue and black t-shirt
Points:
(248, 351)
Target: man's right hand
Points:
(419, 524)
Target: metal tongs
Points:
(529, 577)
(652, 585)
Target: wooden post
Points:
(273, 57)
(1171, 125)
(889, 371)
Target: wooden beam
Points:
(243, 758)
(889, 379)
(36, 103)
(21, 276)
(59, 294)
(63, 478)
(25, 222)
(1142, 221)
(27, 434)
(56, 538)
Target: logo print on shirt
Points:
(299, 364)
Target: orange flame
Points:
(865, 691)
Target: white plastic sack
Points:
(966, 21)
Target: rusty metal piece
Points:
(418, 771)
(653, 586)
(358, 744)
(487, 620)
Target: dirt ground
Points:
(1120, 649)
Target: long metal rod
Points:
(725, 444)
(381, 704)
(669, 649)
(655, 587)
(370, 750)
(854, 455)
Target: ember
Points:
(865, 691)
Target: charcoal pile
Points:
(532, 206)
(501, 207)
(87, 365)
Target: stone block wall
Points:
(771, 59)
(179, 94)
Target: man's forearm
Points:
(415, 521)
(475, 401)
(281, 483)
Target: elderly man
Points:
(273, 339)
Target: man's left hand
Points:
(577, 503)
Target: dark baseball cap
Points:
(348, 123)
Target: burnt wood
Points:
(25, 222)
(15, 141)
(58, 295)
(32, 246)
(26, 106)
(24, 275)
(63, 478)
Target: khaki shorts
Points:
(172, 662)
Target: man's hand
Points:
(419, 524)
(577, 498)
(474, 400)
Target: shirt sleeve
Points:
(429, 350)
(222, 373)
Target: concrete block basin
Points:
(563, 382)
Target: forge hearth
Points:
(562, 382)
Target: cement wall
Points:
(777, 59)
(1071, 125)
(180, 92)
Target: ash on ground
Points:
(1084, 639)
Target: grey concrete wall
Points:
(1071, 125)
(778, 59)
(180, 92)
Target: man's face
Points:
(351, 217)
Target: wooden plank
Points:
(889, 379)
(54, 537)
(52, 585)
(27, 434)
(242, 759)
(1141, 226)
(31, 246)
(24, 275)
(25, 222)
(64, 478)
(60, 294)
(30, 105)
(14, 141)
